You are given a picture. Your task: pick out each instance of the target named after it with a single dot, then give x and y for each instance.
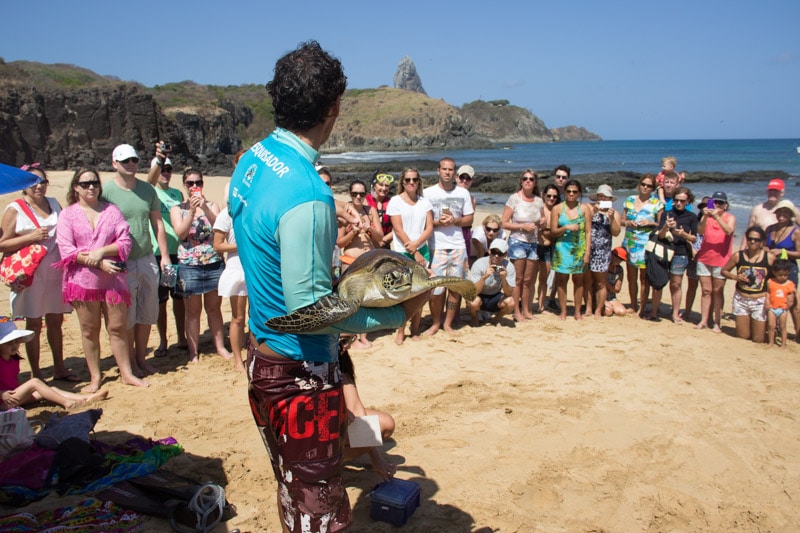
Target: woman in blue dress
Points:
(571, 228)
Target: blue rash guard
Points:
(284, 218)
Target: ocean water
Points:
(731, 156)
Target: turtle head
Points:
(397, 280)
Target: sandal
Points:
(202, 513)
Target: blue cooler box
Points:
(394, 501)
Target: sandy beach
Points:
(602, 425)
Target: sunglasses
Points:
(560, 177)
(493, 230)
(754, 239)
(573, 191)
(551, 196)
(411, 180)
(648, 185)
(464, 178)
(86, 184)
(497, 253)
(191, 183)
(680, 200)
(358, 194)
(130, 160)
(386, 179)
(528, 178)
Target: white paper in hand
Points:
(365, 432)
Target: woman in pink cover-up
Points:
(94, 241)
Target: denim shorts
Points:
(545, 253)
(678, 265)
(522, 250)
(199, 279)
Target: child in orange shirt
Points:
(780, 299)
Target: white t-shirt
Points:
(479, 234)
(224, 223)
(493, 283)
(413, 217)
(459, 201)
(524, 213)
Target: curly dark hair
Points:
(306, 85)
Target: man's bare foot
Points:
(518, 317)
(430, 331)
(148, 368)
(91, 388)
(134, 381)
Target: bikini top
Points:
(787, 243)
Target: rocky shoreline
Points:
(507, 182)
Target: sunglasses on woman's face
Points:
(360, 194)
(86, 184)
(197, 183)
(411, 180)
(491, 229)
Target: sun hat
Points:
(620, 252)
(721, 196)
(9, 332)
(466, 169)
(499, 244)
(605, 190)
(785, 204)
(123, 152)
(776, 185)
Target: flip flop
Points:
(69, 378)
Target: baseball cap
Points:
(720, 196)
(466, 169)
(499, 244)
(620, 252)
(776, 184)
(123, 152)
(9, 332)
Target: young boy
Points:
(614, 278)
(668, 165)
(780, 299)
(12, 394)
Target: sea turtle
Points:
(378, 278)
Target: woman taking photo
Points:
(523, 215)
(605, 226)
(43, 297)
(717, 227)
(640, 216)
(94, 241)
(199, 265)
(752, 272)
(571, 230)
(412, 224)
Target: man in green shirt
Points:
(139, 204)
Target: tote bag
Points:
(17, 268)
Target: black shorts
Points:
(491, 302)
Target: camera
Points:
(499, 268)
(751, 277)
(166, 147)
(122, 265)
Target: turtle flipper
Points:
(321, 314)
(464, 287)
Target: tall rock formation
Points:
(407, 78)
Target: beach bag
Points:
(657, 257)
(17, 268)
(16, 433)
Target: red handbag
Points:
(17, 268)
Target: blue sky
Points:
(625, 70)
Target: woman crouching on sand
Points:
(12, 393)
(94, 241)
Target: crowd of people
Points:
(122, 249)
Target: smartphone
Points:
(446, 211)
(197, 191)
(710, 203)
(122, 265)
(605, 204)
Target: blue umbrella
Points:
(13, 179)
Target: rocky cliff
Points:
(66, 116)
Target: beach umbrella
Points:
(13, 179)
